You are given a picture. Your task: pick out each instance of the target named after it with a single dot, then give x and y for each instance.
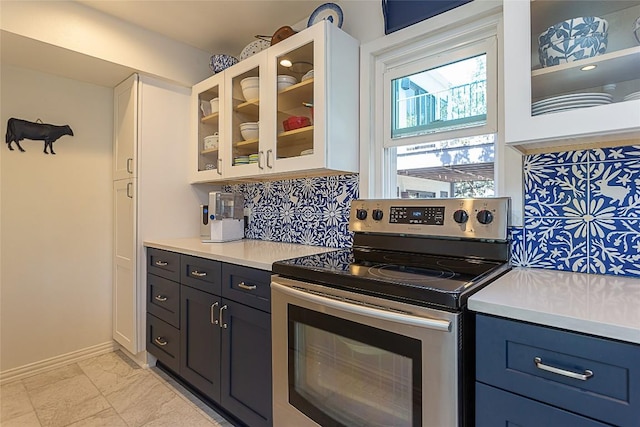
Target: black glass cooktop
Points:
(414, 278)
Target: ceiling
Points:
(214, 26)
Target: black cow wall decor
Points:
(18, 129)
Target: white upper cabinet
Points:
(205, 162)
(315, 92)
(125, 102)
(570, 105)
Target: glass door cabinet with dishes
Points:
(290, 109)
(571, 72)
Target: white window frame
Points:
(433, 59)
(478, 19)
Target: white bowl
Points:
(250, 87)
(285, 81)
(249, 125)
(215, 105)
(248, 133)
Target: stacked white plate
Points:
(634, 95)
(569, 102)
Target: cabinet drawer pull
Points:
(129, 165)
(211, 313)
(247, 287)
(161, 263)
(222, 324)
(575, 375)
(160, 298)
(196, 273)
(161, 341)
(269, 151)
(219, 170)
(260, 154)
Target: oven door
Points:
(346, 359)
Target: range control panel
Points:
(481, 218)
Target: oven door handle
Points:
(327, 300)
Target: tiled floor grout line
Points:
(166, 381)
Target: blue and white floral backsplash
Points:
(311, 211)
(581, 212)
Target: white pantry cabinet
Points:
(154, 198)
(329, 144)
(526, 81)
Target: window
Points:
(430, 101)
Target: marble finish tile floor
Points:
(108, 390)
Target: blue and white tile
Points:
(628, 153)
(615, 250)
(617, 184)
(560, 244)
(515, 235)
(552, 188)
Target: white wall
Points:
(55, 221)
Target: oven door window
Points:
(343, 373)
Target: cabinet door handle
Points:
(222, 324)
(160, 341)
(219, 170)
(269, 151)
(129, 165)
(247, 287)
(160, 298)
(161, 263)
(214, 321)
(129, 187)
(196, 273)
(575, 375)
(260, 154)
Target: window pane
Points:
(461, 167)
(448, 97)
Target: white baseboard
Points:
(57, 361)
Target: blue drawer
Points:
(517, 356)
(495, 407)
(163, 263)
(201, 273)
(247, 285)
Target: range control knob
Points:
(484, 217)
(377, 214)
(361, 214)
(460, 216)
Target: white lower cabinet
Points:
(322, 98)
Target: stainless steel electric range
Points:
(379, 335)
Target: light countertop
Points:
(606, 306)
(250, 253)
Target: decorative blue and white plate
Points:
(329, 11)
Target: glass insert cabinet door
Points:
(209, 127)
(247, 99)
(295, 102)
(344, 373)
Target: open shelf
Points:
(293, 96)
(614, 67)
(251, 107)
(211, 118)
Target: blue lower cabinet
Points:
(591, 377)
(246, 356)
(216, 338)
(495, 407)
